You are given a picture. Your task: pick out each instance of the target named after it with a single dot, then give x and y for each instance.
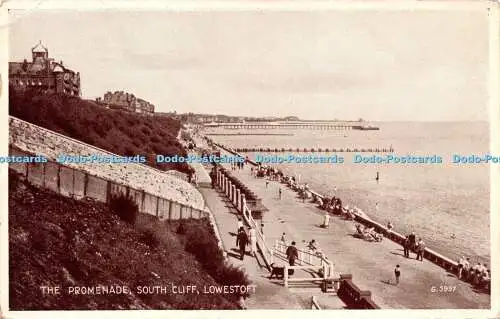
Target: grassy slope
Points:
(119, 132)
(54, 240)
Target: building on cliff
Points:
(43, 74)
(127, 102)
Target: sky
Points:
(375, 65)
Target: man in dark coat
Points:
(242, 242)
(413, 241)
(406, 247)
(292, 254)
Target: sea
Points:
(446, 204)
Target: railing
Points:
(314, 303)
(307, 257)
(287, 279)
(239, 200)
(267, 253)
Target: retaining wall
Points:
(71, 182)
(40, 141)
(354, 297)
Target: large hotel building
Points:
(43, 74)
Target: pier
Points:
(287, 125)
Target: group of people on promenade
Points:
(243, 239)
(237, 165)
(478, 275)
(368, 233)
(271, 173)
(411, 243)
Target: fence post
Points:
(170, 207)
(235, 198)
(242, 202)
(59, 181)
(157, 206)
(238, 198)
(285, 276)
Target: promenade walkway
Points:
(269, 294)
(370, 263)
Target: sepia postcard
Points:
(279, 158)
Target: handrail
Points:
(247, 214)
(314, 303)
(320, 259)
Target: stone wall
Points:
(28, 138)
(71, 182)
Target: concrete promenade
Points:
(371, 264)
(269, 294)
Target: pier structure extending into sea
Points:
(337, 125)
(389, 149)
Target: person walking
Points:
(283, 239)
(397, 273)
(253, 241)
(460, 269)
(242, 242)
(406, 247)
(420, 249)
(279, 193)
(292, 254)
(239, 226)
(466, 269)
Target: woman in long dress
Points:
(253, 241)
